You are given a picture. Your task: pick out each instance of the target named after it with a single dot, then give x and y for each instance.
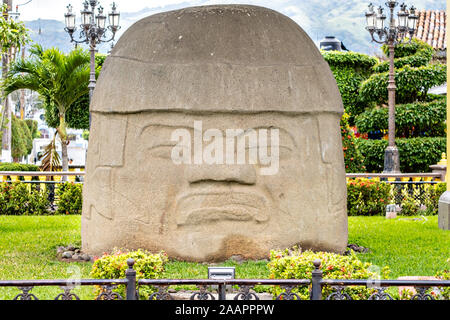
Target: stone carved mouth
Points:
(200, 208)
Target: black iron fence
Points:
(205, 292)
(43, 181)
(415, 187)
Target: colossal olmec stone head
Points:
(196, 75)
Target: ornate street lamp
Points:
(93, 30)
(394, 33)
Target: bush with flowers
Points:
(445, 275)
(366, 197)
(295, 264)
(114, 266)
(354, 161)
(21, 199)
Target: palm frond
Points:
(50, 159)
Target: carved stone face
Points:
(212, 211)
(172, 70)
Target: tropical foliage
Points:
(13, 33)
(77, 117)
(61, 80)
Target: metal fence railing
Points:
(414, 186)
(205, 292)
(43, 181)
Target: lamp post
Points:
(391, 35)
(93, 30)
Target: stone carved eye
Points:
(156, 142)
(162, 151)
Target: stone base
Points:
(444, 211)
(391, 160)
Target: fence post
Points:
(316, 279)
(221, 290)
(130, 274)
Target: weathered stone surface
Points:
(67, 255)
(85, 257)
(444, 211)
(230, 67)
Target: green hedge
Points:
(416, 154)
(414, 54)
(360, 62)
(22, 199)
(411, 120)
(350, 69)
(408, 48)
(412, 84)
(8, 166)
(367, 197)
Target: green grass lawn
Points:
(28, 250)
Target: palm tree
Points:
(59, 79)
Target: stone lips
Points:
(229, 67)
(216, 58)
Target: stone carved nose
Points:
(243, 174)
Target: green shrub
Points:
(360, 62)
(411, 120)
(416, 154)
(299, 265)
(33, 127)
(70, 198)
(21, 199)
(412, 84)
(414, 75)
(147, 266)
(350, 69)
(7, 166)
(429, 193)
(410, 204)
(366, 197)
(19, 138)
(406, 49)
(414, 54)
(445, 275)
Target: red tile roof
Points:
(431, 28)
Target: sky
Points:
(54, 9)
